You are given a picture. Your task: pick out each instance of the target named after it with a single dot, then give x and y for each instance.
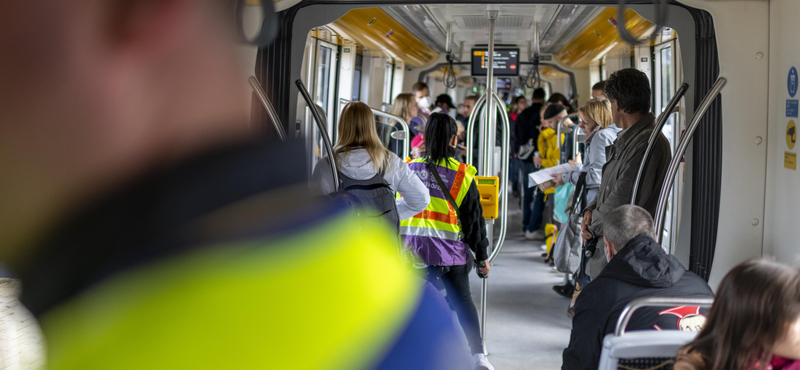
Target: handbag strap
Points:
(446, 191)
(580, 192)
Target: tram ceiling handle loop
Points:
(659, 125)
(674, 164)
(321, 127)
(262, 96)
(661, 13)
(627, 312)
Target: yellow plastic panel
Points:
(601, 35)
(375, 29)
(488, 187)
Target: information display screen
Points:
(506, 62)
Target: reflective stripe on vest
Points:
(439, 214)
(273, 303)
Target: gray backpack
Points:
(375, 195)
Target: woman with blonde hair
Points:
(405, 107)
(596, 123)
(360, 156)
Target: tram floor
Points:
(527, 326)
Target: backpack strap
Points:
(446, 191)
(580, 193)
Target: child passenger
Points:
(754, 323)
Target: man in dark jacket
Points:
(638, 267)
(629, 93)
(527, 134)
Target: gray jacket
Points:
(594, 161)
(619, 174)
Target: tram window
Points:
(387, 86)
(666, 75)
(323, 77)
(356, 85)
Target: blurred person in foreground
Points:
(152, 228)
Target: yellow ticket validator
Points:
(489, 187)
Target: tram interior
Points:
(371, 53)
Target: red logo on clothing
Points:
(689, 317)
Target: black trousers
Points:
(456, 283)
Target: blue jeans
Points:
(514, 166)
(537, 215)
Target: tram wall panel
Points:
(783, 185)
(744, 115)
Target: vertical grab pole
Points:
(660, 122)
(506, 144)
(486, 156)
(675, 163)
(322, 129)
(268, 107)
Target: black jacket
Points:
(640, 269)
(527, 127)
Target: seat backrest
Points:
(651, 348)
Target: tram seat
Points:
(649, 349)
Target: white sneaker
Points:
(481, 362)
(538, 235)
(529, 235)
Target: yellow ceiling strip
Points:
(601, 35)
(374, 29)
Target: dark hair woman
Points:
(450, 225)
(754, 323)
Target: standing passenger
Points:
(360, 156)
(597, 90)
(596, 122)
(549, 154)
(527, 134)
(405, 107)
(452, 224)
(423, 96)
(629, 93)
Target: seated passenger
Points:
(153, 227)
(753, 324)
(638, 267)
(452, 222)
(360, 156)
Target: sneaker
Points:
(538, 235)
(544, 248)
(529, 235)
(481, 362)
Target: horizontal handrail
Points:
(627, 312)
(262, 96)
(674, 164)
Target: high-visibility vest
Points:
(434, 233)
(303, 300)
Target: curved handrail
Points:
(324, 131)
(501, 108)
(471, 127)
(660, 122)
(403, 124)
(262, 96)
(627, 312)
(674, 164)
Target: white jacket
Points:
(357, 164)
